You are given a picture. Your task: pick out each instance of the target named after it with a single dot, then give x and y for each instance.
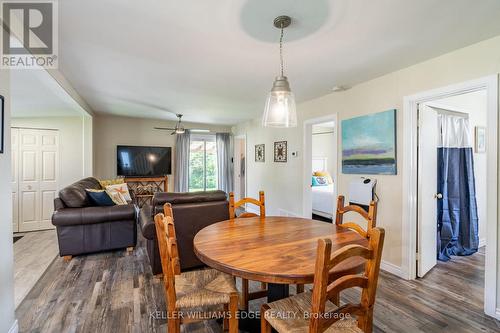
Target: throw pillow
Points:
(319, 181)
(324, 174)
(106, 182)
(99, 197)
(117, 198)
(121, 188)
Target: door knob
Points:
(438, 196)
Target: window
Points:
(202, 163)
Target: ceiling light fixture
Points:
(280, 106)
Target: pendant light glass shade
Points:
(280, 105)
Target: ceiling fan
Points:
(178, 129)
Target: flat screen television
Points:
(138, 161)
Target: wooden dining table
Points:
(277, 250)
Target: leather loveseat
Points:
(83, 228)
(192, 212)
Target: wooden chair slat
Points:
(370, 216)
(345, 282)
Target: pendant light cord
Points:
(281, 49)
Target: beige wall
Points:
(71, 144)
(7, 318)
(285, 181)
(110, 131)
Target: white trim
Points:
(241, 136)
(482, 242)
(15, 327)
(497, 314)
(391, 268)
(490, 84)
(307, 167)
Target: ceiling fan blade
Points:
(172, 133)
(165, 128)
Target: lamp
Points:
(280, 105)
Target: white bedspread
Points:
(322, 199)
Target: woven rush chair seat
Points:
(202, 288)
(291, 315)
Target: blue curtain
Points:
(457, 210)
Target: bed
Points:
(322, 200)
(322, 196)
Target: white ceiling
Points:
(215, 60)
(34, 93)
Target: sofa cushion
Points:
(146, 222)
(75, 196)
(161, 198)
(92, 215)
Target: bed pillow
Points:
(121, 188)
(319, 181)
(99, 197)
(324, 174)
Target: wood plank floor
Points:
(116, 292)
(33, 254)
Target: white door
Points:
(427, 188)
(49, 162)
(38, 170)
(15, 177)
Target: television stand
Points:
(157, 184)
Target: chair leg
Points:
(263, 285)
(67, 258)
(225, 323)
(173, 324)
(233, 313)
(264, 324)
(244, 294)
(336, 299)
(300, 288)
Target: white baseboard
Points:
(482, 242)
(283, 212)
(497, 314)
(391, 268)
(14, 328)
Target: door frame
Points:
(236, 138)
(307, 167)
(410, 174)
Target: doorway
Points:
(320, 168)
(35, 177)
(452, 192)
(412, 191)
(240, 167)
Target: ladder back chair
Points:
(313, 311)
(246, 295)
(370, 216)
(207, 289)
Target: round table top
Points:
(273, 249)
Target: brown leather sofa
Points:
(83, 228)
(192, 212)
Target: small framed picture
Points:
(260, 153)
(280, 151)
(2, 124)
(480, 139)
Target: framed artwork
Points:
(2, 124)
(280, 151)
(260, 153)
(480, 139)
(369, 144)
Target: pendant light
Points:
(280, 106)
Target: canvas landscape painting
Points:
(369, 144)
